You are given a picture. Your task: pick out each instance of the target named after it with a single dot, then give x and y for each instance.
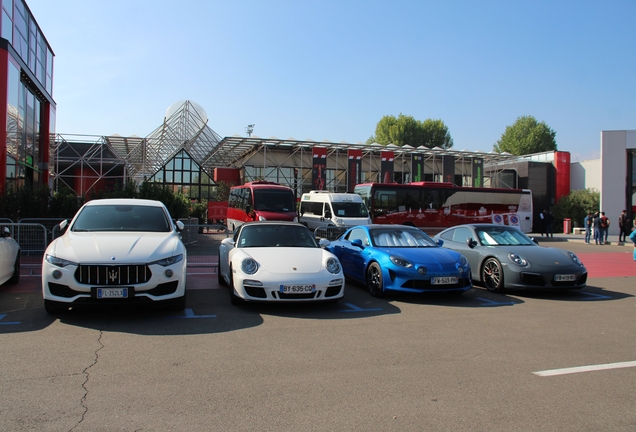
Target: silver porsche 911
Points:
(502, 257)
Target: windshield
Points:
(121, 218)
(503, 236)
(274, 200)
(261, 235)
(401, 237)
(349, 209)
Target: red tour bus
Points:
(258, 201)
(435, 206)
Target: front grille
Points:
(113, 275)
(60, 290)
(333, 291)
(255, 292)
(532, 279)
(285, 296)
(426, 284)
(164, 289)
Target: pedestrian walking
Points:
(587, 223)
(624, 227)
(605, 223)
(596, 225)
(548, 218)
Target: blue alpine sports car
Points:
(400, 258)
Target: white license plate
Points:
(297, 289)
(112, 292)
(444, 280)
(564, 278)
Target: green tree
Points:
(576, 205)
(526, 136)
(403, 130)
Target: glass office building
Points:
(27, 108)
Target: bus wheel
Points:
(374, 280)
(492, 275)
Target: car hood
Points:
(288, 259)
(426, 255)
(537, 255)
(115, 247)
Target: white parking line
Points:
(591, 368)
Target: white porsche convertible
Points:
(278, 262)
(116, 252)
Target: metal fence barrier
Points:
(329, 232)
(32, 239)
(201, 241)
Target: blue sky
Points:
(330, 70)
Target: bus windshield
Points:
(274, 200)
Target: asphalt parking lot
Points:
(479, 361)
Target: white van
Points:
(322, 208)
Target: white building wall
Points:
(614, 145)
(585, 175)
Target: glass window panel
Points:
(186, 177)
(178, 164)
(20, 45)
(8, 7)
(19, 7)
(169, 176)
(20, 24)
(187, 164)
(170, 165)
(49, 62)
(177, 176)
(7, 26)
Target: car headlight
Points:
(400, 262)
(333, 265)
(463, 261)
(249, 266)
(576, 259)
(517, 259)
(58, 262)
(168, 261)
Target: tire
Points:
(15, 278)
(375, 284)
(55, 308)
(220, 277)
(492, 275)
(234, 299)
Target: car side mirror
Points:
(323, 242)
(248, 208)
(440, 242)
(357, 243)
(6, 232)
(180, 226)
(534, 240)
(471, 242)
(327, 214)
(63, 225)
